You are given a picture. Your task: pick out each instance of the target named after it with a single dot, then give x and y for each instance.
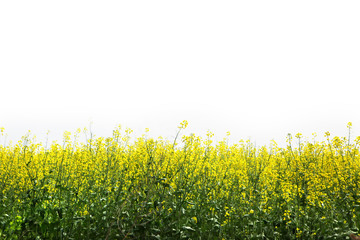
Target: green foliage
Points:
(110, 189)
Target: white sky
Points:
(259, 69)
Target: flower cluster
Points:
(231, 190)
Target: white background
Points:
(259, 69)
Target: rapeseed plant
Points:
(112, 188)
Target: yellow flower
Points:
(183, 124)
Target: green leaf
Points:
(188, 228)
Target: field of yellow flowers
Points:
(191, 188)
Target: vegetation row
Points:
(190, 188)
